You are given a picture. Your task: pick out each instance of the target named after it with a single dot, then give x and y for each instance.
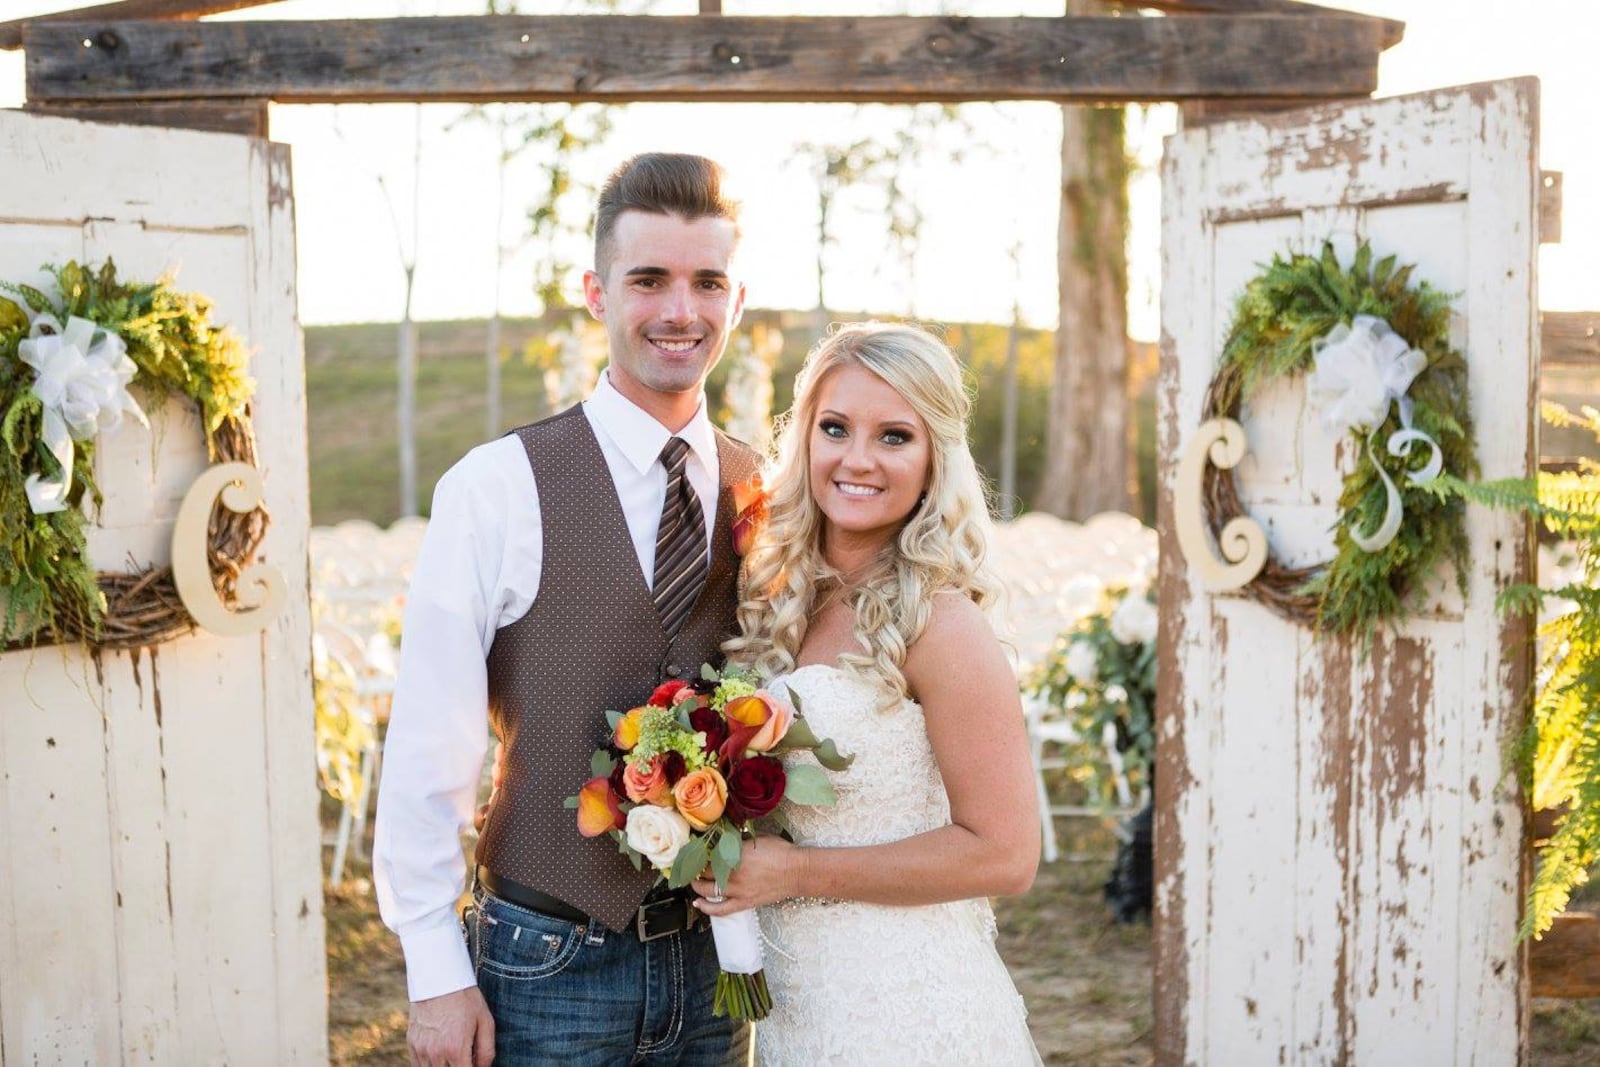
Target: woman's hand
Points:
(767, 873)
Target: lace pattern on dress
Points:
(866, 983)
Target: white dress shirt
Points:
(478, 570)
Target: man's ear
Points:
(594, 295)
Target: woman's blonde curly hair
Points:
(941, 548)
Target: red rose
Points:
(708, 722)
(617, 770)
(674, 766)
(755, 786)
(667, 693)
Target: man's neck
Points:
(672, 410)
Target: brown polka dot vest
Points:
(591, 642)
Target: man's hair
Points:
(662, 183)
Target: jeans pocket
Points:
(516, 943)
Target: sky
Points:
(986, 195)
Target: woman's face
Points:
(871, 455)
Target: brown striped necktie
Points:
(680, 542)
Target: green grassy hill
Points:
(351, 397)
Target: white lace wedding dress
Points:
(870, 984)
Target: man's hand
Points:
(453, 1030)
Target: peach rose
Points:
(646, 783)
(777, 724)
(701, 796)
(768, 716)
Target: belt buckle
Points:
(660, 918)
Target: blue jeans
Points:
(580, 995)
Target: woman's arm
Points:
(968, 693)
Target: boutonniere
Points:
(749, 513)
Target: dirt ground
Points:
(1086, 980)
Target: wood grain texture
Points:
(1341, 856)
(11, 32)
(158, 810)
(1393, 29)
(1570, 339)
(247, 117)
(1550, 207)
(623, 58)
(1566, 961)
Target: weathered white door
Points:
(160, 894)
(1340, 846)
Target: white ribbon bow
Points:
(81, 376)
(1360, 369)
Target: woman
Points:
(865, 601)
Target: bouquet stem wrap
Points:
(741, 982)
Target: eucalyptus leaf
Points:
(828, 754)
(720, 867)
(730, 847)
(709, 673)
(601, 764)
(809, 785)
(690, 862)
(612, 718)
(799, 735)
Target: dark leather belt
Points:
(663, 912)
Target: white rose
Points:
(1115, 694)
(1083, 662)
(1134, 621)
(657, 834)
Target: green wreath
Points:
(50, 591)
(1281, 321)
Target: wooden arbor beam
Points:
(11, 32)
(707, 57)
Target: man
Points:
(569, 568)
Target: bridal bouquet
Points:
(682, 783)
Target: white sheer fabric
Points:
(864, 983)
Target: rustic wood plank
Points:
(248, 117)
(11, 32)
(1393, 29)
(1389, 888)
(1566, 961)
(1549, 207)
(58, 898)
(1569, 339)
(286, 707)
(625, 58)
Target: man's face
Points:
(668, 303)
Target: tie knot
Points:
(675, 454)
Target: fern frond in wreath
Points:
(1277, 324)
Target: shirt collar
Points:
(639, 436)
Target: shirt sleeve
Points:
(438, 726)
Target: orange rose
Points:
(646, 783)
(626, 734)
(598, 811)
(747, 711)
(701, 796)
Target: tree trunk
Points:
(406, 420)
(1088, 467)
